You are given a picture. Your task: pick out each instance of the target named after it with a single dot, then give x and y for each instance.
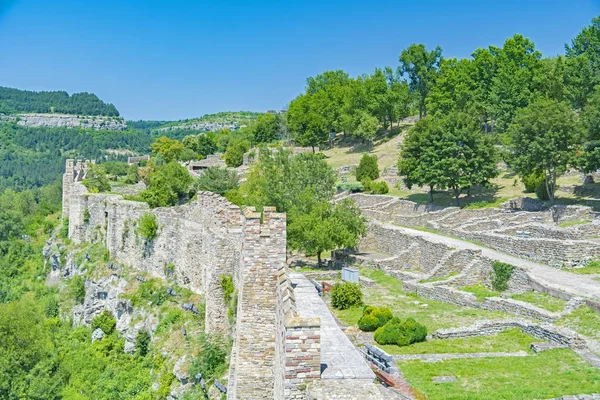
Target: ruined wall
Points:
(512, 228)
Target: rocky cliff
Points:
(67, 121)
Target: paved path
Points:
(339, 358)
(447, 356)
(575, 284)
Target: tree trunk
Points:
(313, 147)
(431, 193)
(457, 194)
(319, 258)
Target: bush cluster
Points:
(345, 295)
(375, 187)
(104, 321)
(374, 318)
(400, 333)
(501, 276)
(148, 226)
(351, 187)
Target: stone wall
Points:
(274, 349)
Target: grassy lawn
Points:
(591, 269)
(510, 340)
(567, 224)
(553, 373)
(584, 320)
(480, 291)
(542, 300)
(388, 293)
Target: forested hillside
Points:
(14, 101)
(33, 157)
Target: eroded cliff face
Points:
(66, 121)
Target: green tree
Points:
(265, 129)
(133, 175)
(325, 227)
(218, 180)
(168, 149)
(422, 67)
(167, 185)
(234, 156)
(308, 127)
(544, 137)
(95, 179)
(589, 160)
(514, 84)
(447, 152)
(367, 168)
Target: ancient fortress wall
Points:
(533, 235)
(196, 244)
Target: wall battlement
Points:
(196, 244)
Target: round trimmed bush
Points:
(368, 323)
(400, 333)
(345, 295)
(383, 315)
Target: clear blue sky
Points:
(181, 59)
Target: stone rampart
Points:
(275, 351)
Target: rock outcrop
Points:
(66, 121)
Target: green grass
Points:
(486, 203)
(480, 291)
(567, 224)
(553, 373)
(511, 340)
(542, 300)
(584, 320)
(591, 269)
(388, 293)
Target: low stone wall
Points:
(500, 228)
(544, 331)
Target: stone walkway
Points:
(448, 356)
(575, 284)
(339, 358)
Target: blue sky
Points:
(181, 59)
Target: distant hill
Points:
(213, 122)
(15, 101)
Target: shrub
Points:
(95, 180)
(367, 168)
(147, 226)
(380, 187)
(234, 155)
(172, 317)
(218, 180)
(351, 187)
(142, 342)
(383, 315)
(86, 216)
(104, 321)
(367, 183)
(227, 285)
(52, 307)
(501, 276)
(531, 181)
(64, 229)
(236, 197)
(346, 295)
(77, 287)
(133, 175)
(368, 323)
(149, 291)
(212, 360)
(400, 333)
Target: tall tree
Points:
(447, 152)
(513, 85)
(544, 138)
(168, 149)
(265, 128)
(422, 67)
(308, 126)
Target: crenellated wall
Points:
(204, 240)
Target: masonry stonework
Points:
(274, 351)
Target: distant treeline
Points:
(33, 157)
(24, 101)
